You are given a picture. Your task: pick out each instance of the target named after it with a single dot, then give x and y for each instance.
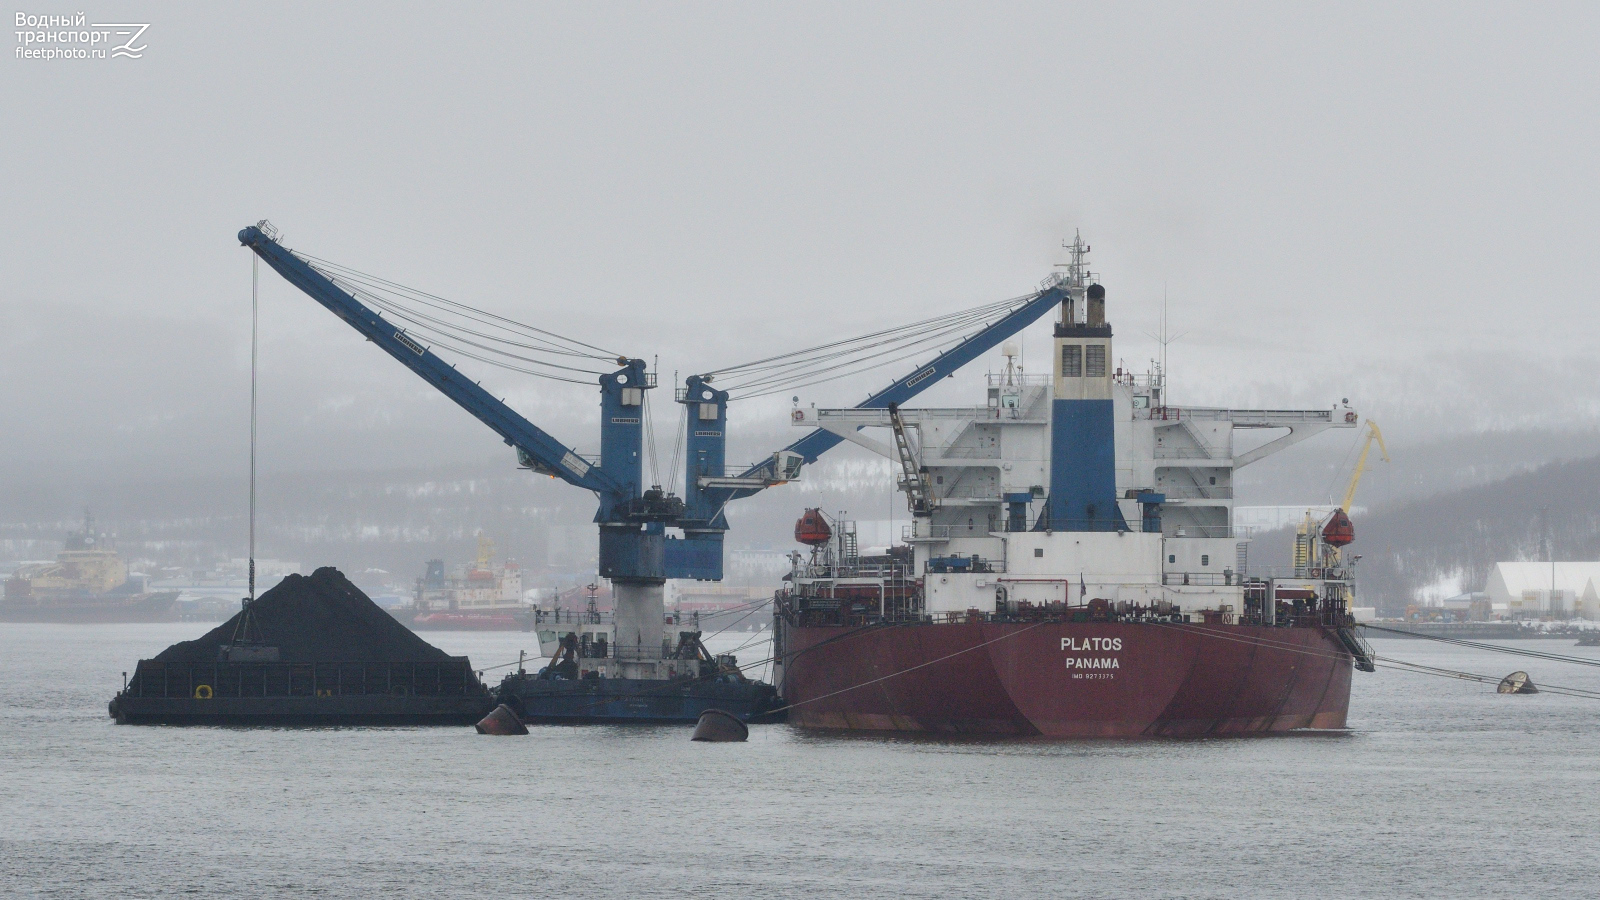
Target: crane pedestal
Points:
(641, 611)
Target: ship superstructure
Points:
(88, 582)
(1066, 499)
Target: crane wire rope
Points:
(435, 327)
(820, 373)
(841, 359)
(466, 311)
(673, 471)
(461, 332)
(773, 361)
(650, 439)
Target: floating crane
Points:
(636, 552)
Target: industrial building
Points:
(1533, 590)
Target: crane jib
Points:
(540, 449)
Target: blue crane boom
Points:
(536, 448)
(634, 545)
(707, 491)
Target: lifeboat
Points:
(812, 529)
(1338, 530)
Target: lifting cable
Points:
(677, 447)
(822, 369)
(467, 311)
(851, 356)
(470, 332)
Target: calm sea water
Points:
(1441, 789)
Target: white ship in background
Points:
(478, 596)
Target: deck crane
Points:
(636, 552)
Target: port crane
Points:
(1336, 531)
(1373, 433)
(635, 550)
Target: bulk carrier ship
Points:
(1071, 569)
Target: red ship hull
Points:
(1067, 680)
(456, 621)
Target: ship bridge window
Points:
(1172, 557)
(1071, 361)
(1094, 361)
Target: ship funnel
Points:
(1097, 305)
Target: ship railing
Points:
(966, 452)
(1001, 379)
(1204, 531)
(1225, 578)
(875, 571)
(1307, 573)
(1198, 452)
(173, 680)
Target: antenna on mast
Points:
(1163, 336)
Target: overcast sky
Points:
(1396, 203)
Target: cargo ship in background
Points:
(480, 596)
(89, 582)
(1071, 569)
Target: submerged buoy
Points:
(501, 721)
(716, 725)
(1517, 683)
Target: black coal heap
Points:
(317, 618)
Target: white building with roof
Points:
(1538, 589)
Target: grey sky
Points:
(1393, 204)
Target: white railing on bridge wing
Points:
(1189, 453)
(1265, 418)
(968, 452)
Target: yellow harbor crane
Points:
(1336, 531)
(1373, 434)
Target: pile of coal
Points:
(314, 650)
(320, 617)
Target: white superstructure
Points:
(987, 472)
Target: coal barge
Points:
(314, 650)
(1070, 570)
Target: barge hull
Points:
(634, 701)
(1067, 680)
(300, 711)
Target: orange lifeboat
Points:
(1338, 530)
(812, 529)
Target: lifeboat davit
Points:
(812, 529)
(1338, 530)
